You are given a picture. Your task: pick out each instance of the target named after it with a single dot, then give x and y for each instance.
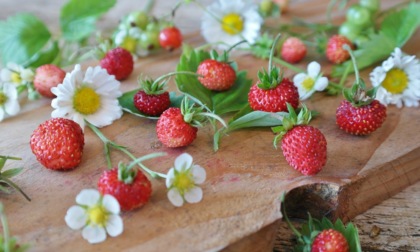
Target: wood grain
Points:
(245, 177)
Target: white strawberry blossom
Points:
(231, 21)
(91, 96)
(308, 83)
(16, 74)
(398, 79)
(182, 181)
(96, 215)
(9, 104)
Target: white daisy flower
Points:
(182, 181)
(96, 215)
(91, 96)
(231, 21)
(128, 38)
(16, 74)
(9, 104)
(398, 79)
(308, 83)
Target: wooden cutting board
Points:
(245, 178)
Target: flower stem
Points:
(10, 183)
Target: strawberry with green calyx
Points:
(216, 73)
(272, 91)
(324, 235)
(360, 113)
(177, 127)
(303, 146)
(6, 175)
(127, 184)
(7, 242)
(152, 98)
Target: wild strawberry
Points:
(129, 186)
(303, 146)
(335, 51)
(46, 77)
(58, 144)
(170, 38)
(293, 50)
(330, 240)
(177, 127)
(216, 73)
(272, 92)
(360, 113)
(152, 99)
(118, 62)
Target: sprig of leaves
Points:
(396, 29)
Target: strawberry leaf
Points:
(127, 104)
(78, 17)
(21, 37)
(220, 103)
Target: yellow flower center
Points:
(86, 101)
(98, 215)
(183, 181)
(16, 78)
(129, 44)
(3, 98)
(396, 81)
(232, 23)
(308, 83)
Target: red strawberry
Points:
(58, 144)
(216, 75)
(273, 98)
(330, 240)
(152, 99)
(129, 186)
(272, 92)
(360, 113)
(46, 77)
(361, 120)
(118, 62)
(335, 51)
(177, 127)
(293, 50)
(303, 146)
(173, 131)
(170, 38)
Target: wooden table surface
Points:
(396, 217)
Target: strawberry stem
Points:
(108, 143)
(6, 233)
(270, 60)
(16, 187)
(174, 73)
(288, 65)
(353, 59)
(295, 231)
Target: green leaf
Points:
(78, 17)
(21, 37)
(11, 172)
(220, 103)
(257, 119)
(46, 56)
(126, 102)
(401, 25)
